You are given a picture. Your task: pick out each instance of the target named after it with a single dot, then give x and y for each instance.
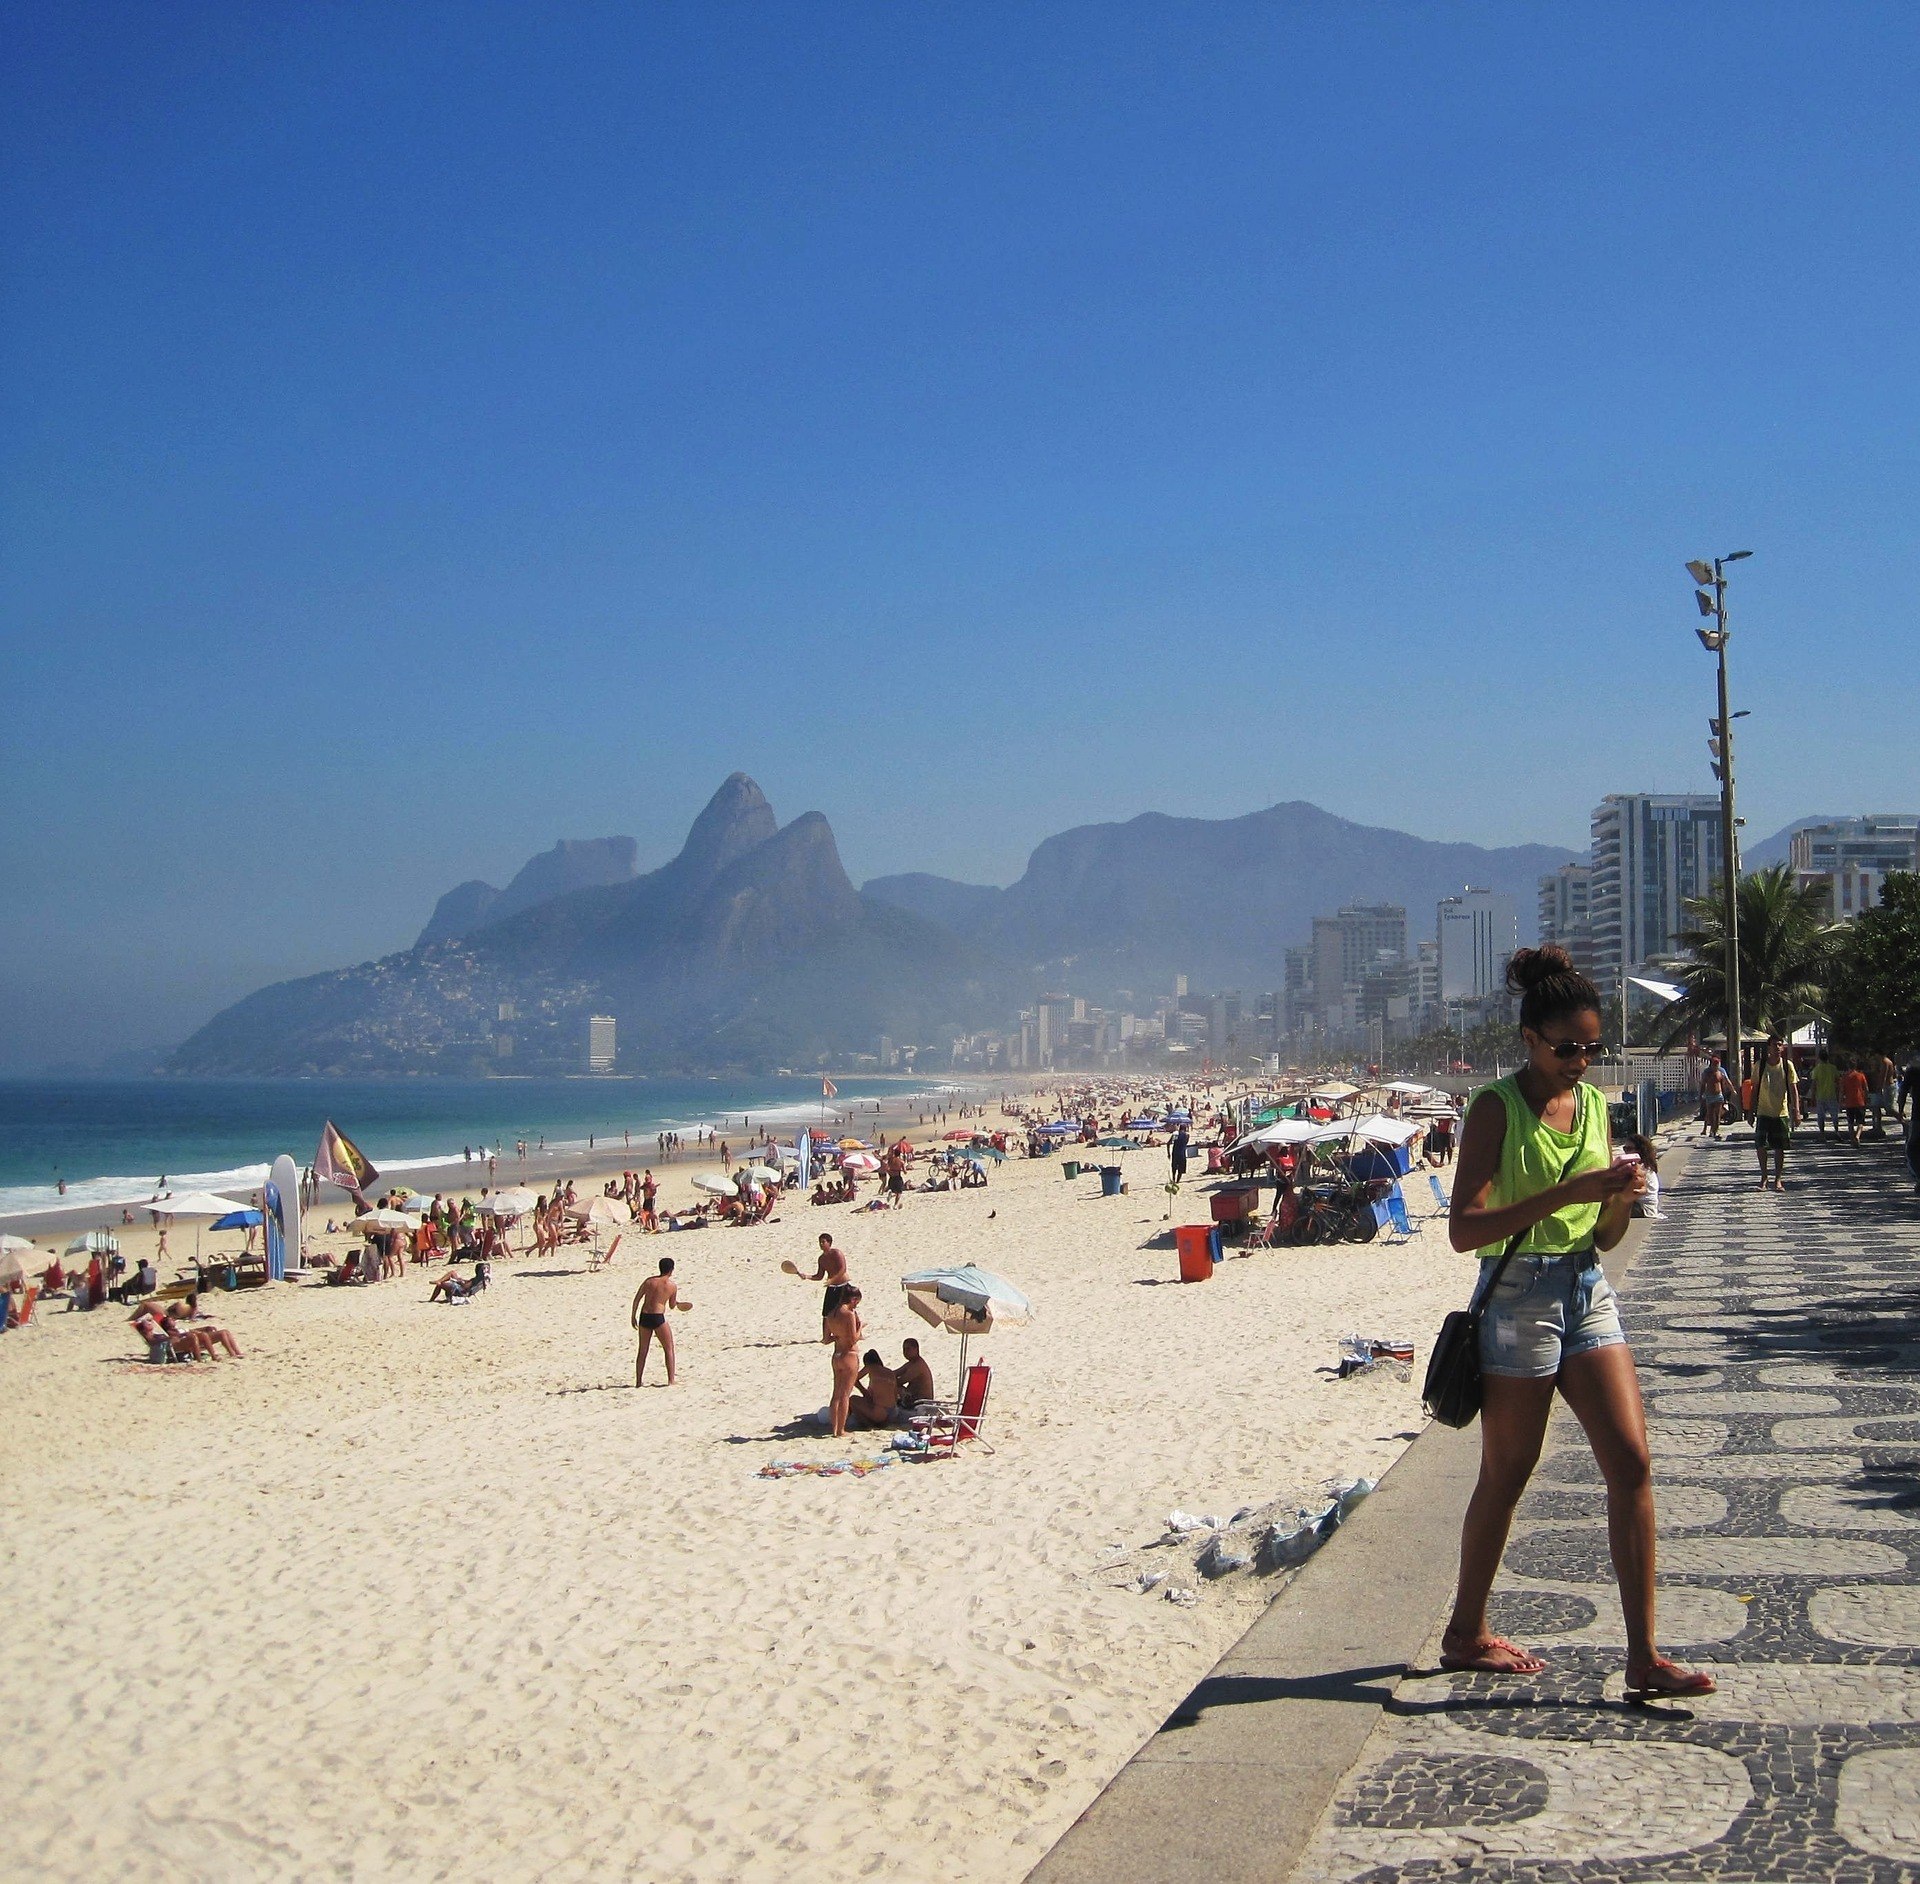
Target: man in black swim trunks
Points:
(832, 1270)
(652, 1302)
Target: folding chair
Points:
(946, 1423)
(601, 1258)
(1397, 1211)
(1442, 1203)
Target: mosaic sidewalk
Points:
(1779, 1346)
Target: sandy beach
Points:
(434, 1592)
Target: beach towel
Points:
(822, 1468)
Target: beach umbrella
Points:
(602, 1210)
(860, 1161)
(966, 1301)
(374, 1222)
(190, 1204)
(1405, 1086)
(13, 1245)
(714, 1186)
(961, 1137)
(94, 1243)
(761, 1174)
(854, 1144)
(237, 1220)
(515, 1202)
(13, 1267)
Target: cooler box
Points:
(1234, 1206)
(1109, 1180)
(1196, 1243)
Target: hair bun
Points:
(1528, 968)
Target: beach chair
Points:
(1442, 1204)
(1397, 1212)
(947, 1422)
(24, 1313)
(601, 1258)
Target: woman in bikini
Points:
(844, 1329)
(1537, 1181)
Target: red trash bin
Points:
(1195, 1243)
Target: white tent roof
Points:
(1286, 1132)
(1380, 1129)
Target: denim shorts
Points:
(1546, 1310)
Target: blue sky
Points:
(429, 431)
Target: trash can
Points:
(1109, 1180)
(1195, 1242)
(1071, 1169)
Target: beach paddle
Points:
(789, 1267)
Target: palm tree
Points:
(1786, 948)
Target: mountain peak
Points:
(736, 819)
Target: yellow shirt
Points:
(1770, 1092)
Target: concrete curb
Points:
(1231, 1787)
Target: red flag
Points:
(340, 1161)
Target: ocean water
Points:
(111, 1140)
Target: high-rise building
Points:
(1371, 934)
(1848, 859)
(1653, 853)
(600, 1032)
(1566, 915)
(1477, 932)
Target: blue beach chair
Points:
(1442, 1204)
(1397, 1210)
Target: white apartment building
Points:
(1566, 914)
(1849, 858)
(1477, 931)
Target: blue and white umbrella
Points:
(966, 1301)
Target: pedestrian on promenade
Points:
(1539, 1186)
(1881, 1073)
(1715, 1090)
(1826, 1094)
(1853, 1101)
(1776, 1111)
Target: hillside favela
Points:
(1202, 722)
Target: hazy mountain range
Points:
(753, 948)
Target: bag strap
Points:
(1519, 1236)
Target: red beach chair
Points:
(947, 1422)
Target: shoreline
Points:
(565, 1159)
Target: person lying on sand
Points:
(913, 1378)
(652, 1302)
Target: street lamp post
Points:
(1711, 598)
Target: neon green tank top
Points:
(1534, 1157)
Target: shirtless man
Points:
(652, 1302)
(873, 1405)
(832, 1270)
(844, 1329)
(913, 1378)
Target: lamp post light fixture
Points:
(1711, 598)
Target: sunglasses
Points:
(1576, 1049)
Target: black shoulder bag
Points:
(1451, 1392)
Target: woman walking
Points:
(1537, 1181)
